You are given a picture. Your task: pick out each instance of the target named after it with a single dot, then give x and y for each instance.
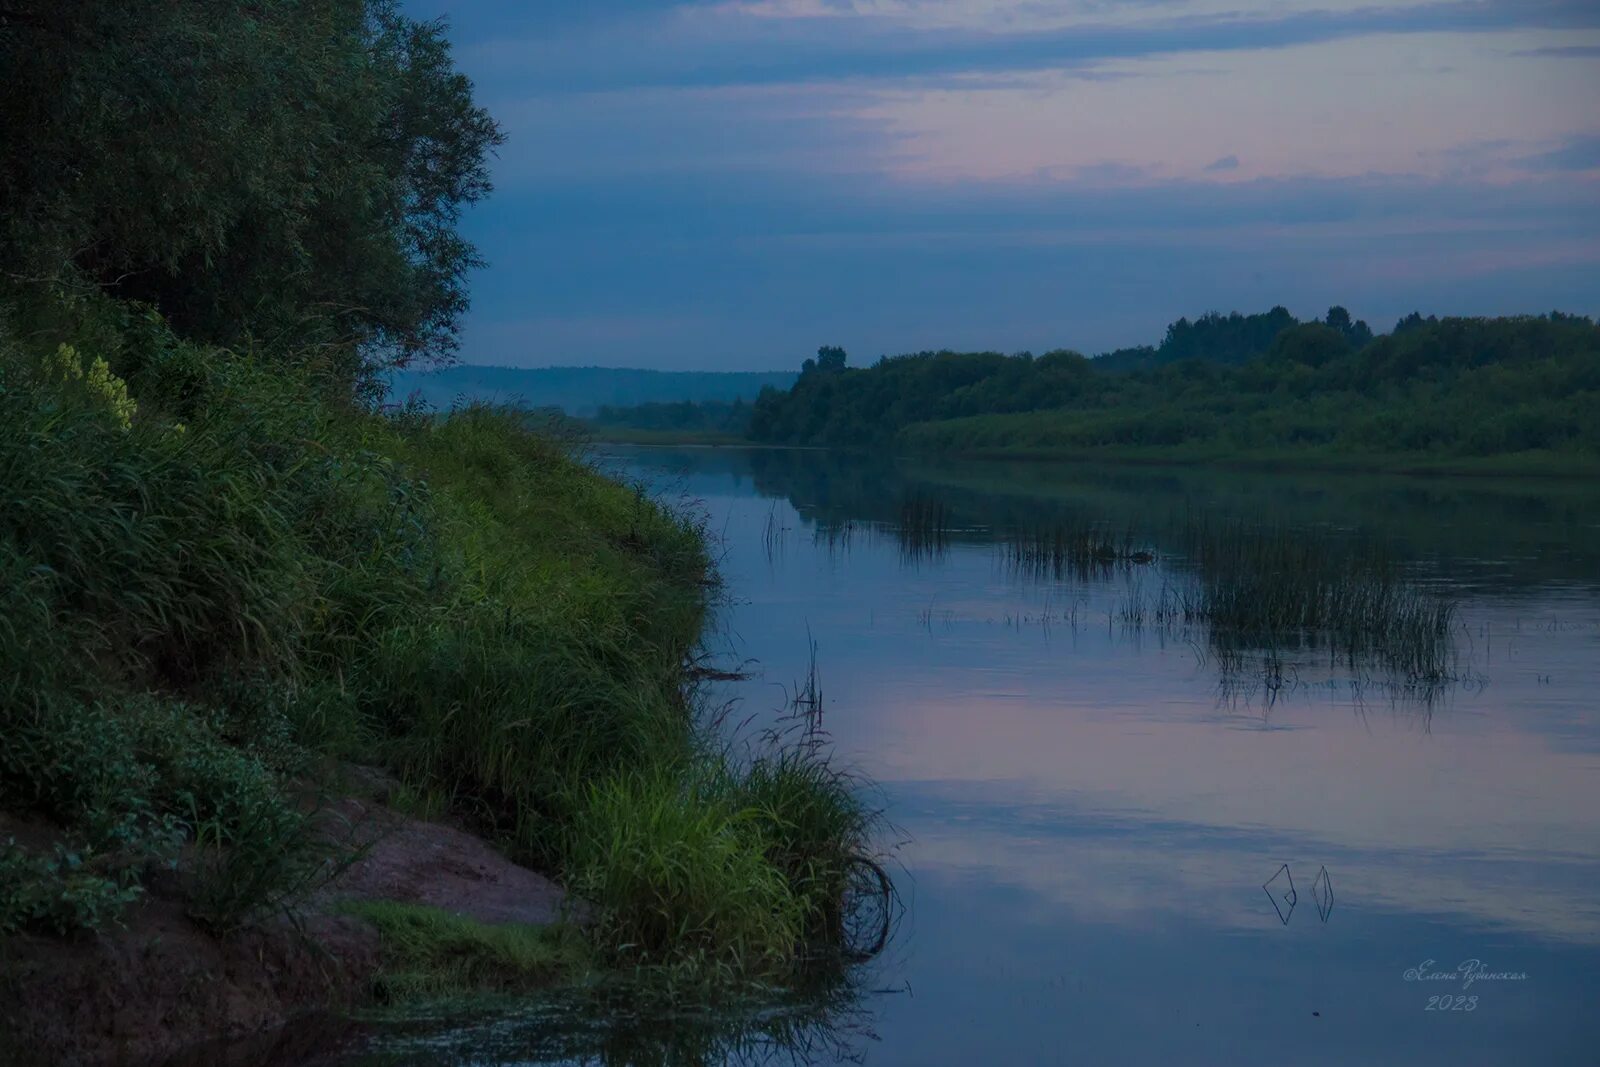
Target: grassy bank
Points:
(223, 576)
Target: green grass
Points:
(740, 865)
(676, 869)
(432, 954)
(222, 575)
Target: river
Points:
(1114, 841)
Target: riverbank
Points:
(1530, 464)
(226, 580)
(158, 982)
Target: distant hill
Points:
(580, 391)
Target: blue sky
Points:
(729, 184)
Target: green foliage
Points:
(289, 169)
(842, 406)
(430, 953)
(676, 869)
(743, 866)
(55, 892)
(220, 571)
(290, 560)
(554, 653)
(1213, 337)
(1450, 388)
(195, 618)
(814, 827)
(127, 783)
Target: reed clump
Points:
(923, 528)
(1276, 588)
(744, 861)
(1066, 549)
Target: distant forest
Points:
(1223, 385)
(579, 391)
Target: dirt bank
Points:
(158, 984)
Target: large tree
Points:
(274, 171)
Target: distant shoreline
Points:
(1543, 465)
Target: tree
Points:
(1414, 321)
(284, 169)
(830, 358)
(1312, 343)
(1357, 333)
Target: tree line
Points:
(1467, 386)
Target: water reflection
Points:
(1094, 800)
(822, 1020)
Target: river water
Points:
(1113, 844)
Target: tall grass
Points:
(743, 863)
(221, 574)
(1274, 581)
(923, 529)
(1276, 588)
(1075, 550)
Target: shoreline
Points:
(160, 985)
(1541, 465)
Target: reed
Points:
(924, 527)
(1081, 551)
(1273, 589)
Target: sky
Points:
(728, 184)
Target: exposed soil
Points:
(429, 863)
(144, 992)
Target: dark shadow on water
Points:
(823, 1020)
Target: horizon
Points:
(861, 360)
(725, 185)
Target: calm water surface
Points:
(1093, 811)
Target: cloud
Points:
(695, 46)
(692, 184)
(672, 131)
(1106, 173)
(1580, 153)
(1569, 51)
